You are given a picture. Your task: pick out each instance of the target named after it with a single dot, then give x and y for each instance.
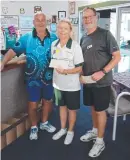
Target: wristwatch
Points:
(103, 70)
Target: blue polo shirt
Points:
(38, 56)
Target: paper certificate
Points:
(88, 79)
(58, 63)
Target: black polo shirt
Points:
(97, 50)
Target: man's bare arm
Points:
(8, 56)
(115, 60)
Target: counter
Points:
(13, 89)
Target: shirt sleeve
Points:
(20, 46)
(112, 45)
(78, 56)
(53, 37)
(52, 48)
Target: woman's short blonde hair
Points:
(66, 21)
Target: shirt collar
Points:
(34, 32)
(68, 45)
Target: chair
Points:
(119, 106)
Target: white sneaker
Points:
(48, 127)
(59, 134)
(33, 134)
(69, 138)
(90, 135)
(97, 149)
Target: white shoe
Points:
(59, 134)
(97, 149)
(90, 135)
(33, 134)
(48, 127)
(69, 138)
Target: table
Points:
(123, 79)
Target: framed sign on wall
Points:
(61, 15)
(22, 10)
(25, 22)
(54, 18)
(9, 20)
(72, 7)
(37, 9)
(4, 10)
(74, 20)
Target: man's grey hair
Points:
(93, 9)
(38, 13)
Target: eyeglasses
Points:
(88, 17)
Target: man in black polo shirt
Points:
(101, 54)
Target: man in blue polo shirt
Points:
(37, 47)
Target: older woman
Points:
(67, 54)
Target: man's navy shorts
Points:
(36, 93)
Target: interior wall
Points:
(49, 8)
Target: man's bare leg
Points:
(32, 111)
